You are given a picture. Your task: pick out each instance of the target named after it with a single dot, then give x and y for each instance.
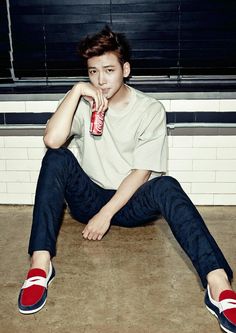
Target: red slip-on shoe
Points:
(224, 310)
(33, 294)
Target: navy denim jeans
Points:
(62, 179)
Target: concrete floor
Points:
(133, 281)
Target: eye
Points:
(92, 71)
(110, 70)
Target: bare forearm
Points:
(59, 126)
(99, 224)
(125, 191)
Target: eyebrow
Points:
(93, 67)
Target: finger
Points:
(98, 100)
(105, 103)
(102, 107)
(88, 99)
(93, 105)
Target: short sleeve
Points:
(151, 148)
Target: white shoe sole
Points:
(214, 314)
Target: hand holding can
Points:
(97, 121)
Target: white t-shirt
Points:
(133, 138)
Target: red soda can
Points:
(97, 122)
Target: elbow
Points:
(50, 142)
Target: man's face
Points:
(106, 72)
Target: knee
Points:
(56, 157)
(167, 182)
(166, 190)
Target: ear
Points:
(126, 69)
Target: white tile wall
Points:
(41, 106)
(194, 176)
(195, 105)
(29, 106)
(170, 141)
(16, 198)
(226, 153)
(170, 105)
(36, 153)
(224, 199)
(182, 141)
(192, 153)
(3, 187)
(166, 104)
(12, 107)
(2, 153)
(214, 141)
(15, 154)
(227, 105)
(204, 174)
(33, 176)
(23, 165)
(225, 176)
(26, 188)
(214, 188)
(186, 187)
(15, 176)
(202, 199)
(23, 141)
(180, 165)
(204, 165)
(2, 165)
(216, 165)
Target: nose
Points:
(101, 79)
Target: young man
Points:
(116, 178)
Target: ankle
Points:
(41, 259)
(218, 282)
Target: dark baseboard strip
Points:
(40, 118)
(221, 84)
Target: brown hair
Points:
(105, 41)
